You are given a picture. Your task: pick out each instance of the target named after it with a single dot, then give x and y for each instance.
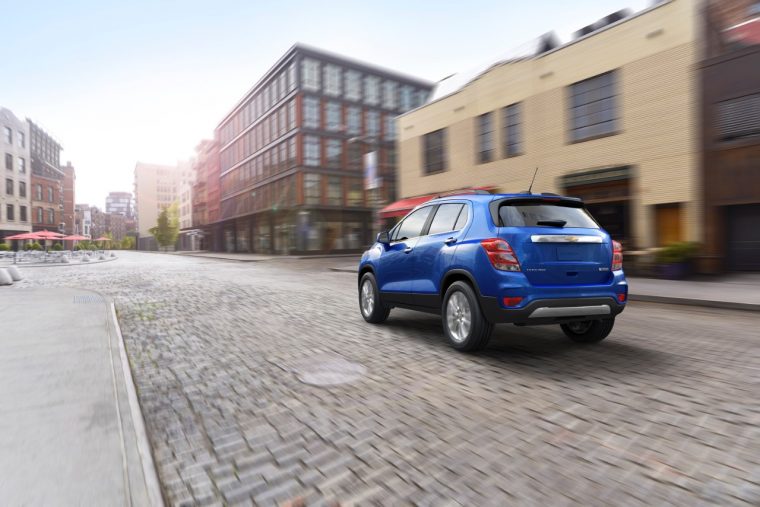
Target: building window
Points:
(405, 98)
(355, 196)
(334, 191)
(50, 194)
(739, 118)
(291, 77)
(485, 137)
(21, 165)
(22, 189)
(311, 153)
(389, 129)
(8, 135)
(434, 144)
(38, 193)
(9, 186)
(373, 123)
(332, 115)
(22, 139)
(334, 153)
(291, 115)
(10, 212)
(390, 99)
(354, 156)
(291, 152)
(371, 90)
(9, 161)
(353, 85)
(332, 80)
(311, 113)
(310, 74)
(593, 112)
(420, 97)
(39, 215)
(312, 190)
(22, 213)
(50, 216)
(512, 130)
(353, 120)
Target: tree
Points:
(166, 230)
(128, 243)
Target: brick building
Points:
(730, 75)
(291, 153)
(47, 181)
(69, 198)
(205, 197)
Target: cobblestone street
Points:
(665, 411)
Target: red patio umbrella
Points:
(74, 237)
(48, 235)
(102, 238)
(22, 235)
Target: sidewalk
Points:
(71, 430)
(736, 292)
(246, 257)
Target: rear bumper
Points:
(552, 311)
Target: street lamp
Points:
(371, 179)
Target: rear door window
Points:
(445, 218)
(412, 225)
(545, 215)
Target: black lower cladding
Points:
(495, 313)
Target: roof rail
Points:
(474, 191)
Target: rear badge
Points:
(535, 269)
(604, 269)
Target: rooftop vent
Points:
(605, 21)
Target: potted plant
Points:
(676, 260)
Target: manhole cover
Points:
(329, 371)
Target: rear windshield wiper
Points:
(552, 223)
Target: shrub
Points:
(677, 253)
(57, 247)
(35, 246)
(4, 247)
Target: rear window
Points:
(545, 215)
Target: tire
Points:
(370, 305)
(588, 331)
(459, 302)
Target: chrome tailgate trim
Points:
(569, 311)
(565, 238)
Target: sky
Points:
(145, 80)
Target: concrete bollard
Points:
(85, 258)
(14, 272)
(102, 258)
(5, 277)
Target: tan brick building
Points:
(610, 116)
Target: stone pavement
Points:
(664, 411)
(68, 433)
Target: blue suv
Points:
(480, 260)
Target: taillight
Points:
(500, 254)
(617, 256)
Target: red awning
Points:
(404, 206)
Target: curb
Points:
(705, 303)
(62, 264)
(343, 270)
(149, 472)
(667, 300)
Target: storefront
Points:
(607, 195)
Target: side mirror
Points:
(383, 238)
